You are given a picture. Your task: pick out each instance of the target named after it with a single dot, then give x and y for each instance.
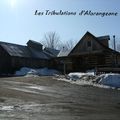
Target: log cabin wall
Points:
(13, 57)
(105, 42)
(91, 52)
(86, 45)
(5, 61)
(17, 63)
(118, 60)
(83, 62)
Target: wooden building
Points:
(89, 53)
(14, 56)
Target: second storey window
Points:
(89, 44)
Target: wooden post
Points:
(115, 57)
(64, 68)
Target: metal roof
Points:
(106, 37)
(54, 52)
(39, 54)
(23, 51)
(16, 50)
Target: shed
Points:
(14, 56)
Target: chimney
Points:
(114, 42)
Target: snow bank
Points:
(102, 81)
(79, 78)
(112, 80)
(46, 71)
(76, 76)
(23, 71)
(29, 71)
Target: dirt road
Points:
(44, 98)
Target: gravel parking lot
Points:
(45, 98)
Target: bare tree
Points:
(68, 45)
(118, 47)
(117, 44)
(51, 40)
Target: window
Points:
(89, 44)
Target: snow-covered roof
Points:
(53, 52)
(63, 53)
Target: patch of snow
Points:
(24, 90)
(84, 82)
(37, 87)
(6, 108)
(76, 76)
(102, 81)
(112, 80)
(23, 71)
(19, 107)
(46, 71)
(41, 88)
(41, 72)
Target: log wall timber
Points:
(107, 70)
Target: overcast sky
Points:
(18, 23)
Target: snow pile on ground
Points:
(41, 72)
(103, 80)
(23, 71)
(112, 80)
(77, 76)
(46, 71)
